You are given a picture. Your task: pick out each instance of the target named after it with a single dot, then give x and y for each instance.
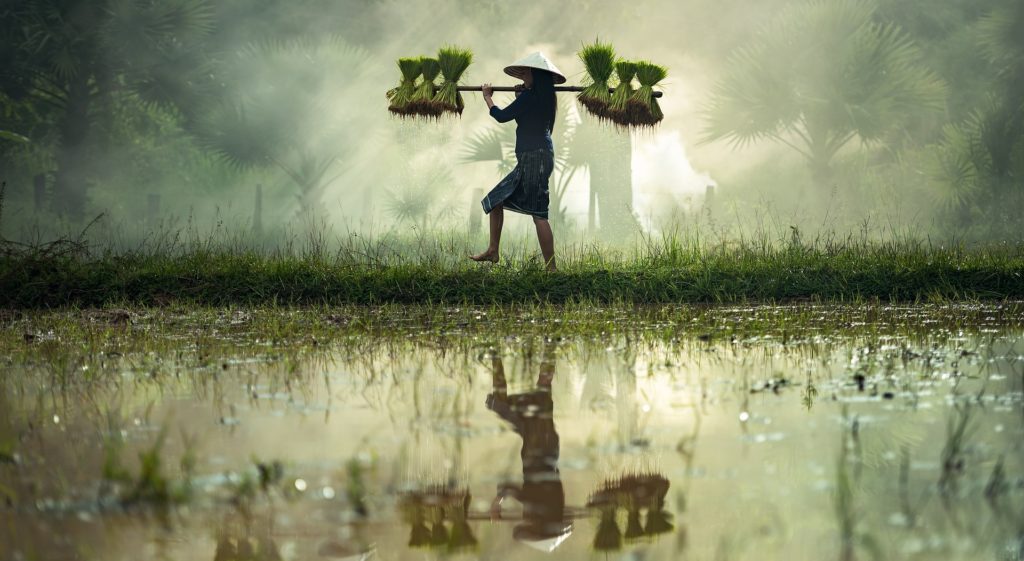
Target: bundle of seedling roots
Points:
(609, 92)
(420, 95)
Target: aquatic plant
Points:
(151, 484)
(953, 458)
(355, 486)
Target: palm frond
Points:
(824, 72)
(230, 133)
(488, 145)
(1000, 38)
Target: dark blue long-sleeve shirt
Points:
(532, 124)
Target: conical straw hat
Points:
(534, 60)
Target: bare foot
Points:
(489, 255)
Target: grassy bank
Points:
(666, 271)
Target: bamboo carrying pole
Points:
(518, 88)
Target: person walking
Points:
(525, 189)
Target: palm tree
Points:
(608, 155)
(976, 166)
(74, 59)
(279, 114)
(424, 194)
(1002, 43)
(822, 74)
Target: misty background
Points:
(264, 117)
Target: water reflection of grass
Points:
(395, 361)
(65, 341)
(849, 518)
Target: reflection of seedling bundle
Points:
(634, 493)
(401, 96)
(427, 513)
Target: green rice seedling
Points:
(356, 487)
(620, 110)
(647, 108)
(403, 94)
(453, 63)
(422, 102)
(599, 61)
(647, 111)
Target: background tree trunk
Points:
(611, 186)
(69, 184)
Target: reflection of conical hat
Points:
(548, 545)
(545, 541)
(535, 60)
(343, 552)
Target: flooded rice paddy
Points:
(803, 432)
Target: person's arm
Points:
(510, 112)
(504, 490)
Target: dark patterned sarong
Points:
(525, 189)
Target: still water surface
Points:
(870, 442)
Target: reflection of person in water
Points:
(545, 524)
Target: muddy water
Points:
(864, 444)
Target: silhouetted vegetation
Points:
(906, 112)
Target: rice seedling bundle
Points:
(648, 112)
(453, 62)
(403, 94)
(599, 61)
(423, 98)
(621, 110)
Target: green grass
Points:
(435, 271)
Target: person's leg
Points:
(547, 242)
(497, 219)
(498, 383)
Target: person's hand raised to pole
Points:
(488, 91)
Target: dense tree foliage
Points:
(820, 75)
(70, 65)
(102, 98)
